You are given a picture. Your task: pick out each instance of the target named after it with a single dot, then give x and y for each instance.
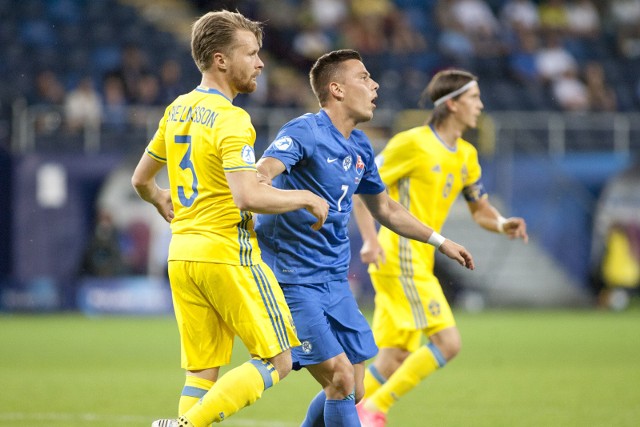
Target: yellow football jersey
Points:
(201, 136)
(425, 176)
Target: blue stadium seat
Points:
(105, 58)
(64, 11)
(38, 32)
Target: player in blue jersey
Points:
(326, 154)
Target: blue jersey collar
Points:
(324, 117)
(326, 120)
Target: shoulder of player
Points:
(230, 112)
(306, 120)
(465, 145)
(359, 135)
(297, 128)
(410, 137)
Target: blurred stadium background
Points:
(84, 85)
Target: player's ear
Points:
(220, 60)
(451, 105)
(336, 91)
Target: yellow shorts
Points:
(215, 302)
(407, 308)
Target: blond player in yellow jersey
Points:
(220, 286)
(424, 169)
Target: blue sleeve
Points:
(371, 182)
(294, 143)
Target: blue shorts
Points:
(328, 322)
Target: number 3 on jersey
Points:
(185, 164)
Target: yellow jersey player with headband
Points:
(424, 169)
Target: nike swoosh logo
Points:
(330, 160)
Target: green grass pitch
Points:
(517, 368)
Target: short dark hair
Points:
(326, 69)
(216, 32)
(443, 83)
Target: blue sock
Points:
(341, 413)
(315, 413)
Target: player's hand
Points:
(319, 208)
(372, 253)
(457, 253)
(163, 204)
(515, 228)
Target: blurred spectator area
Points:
(101, 61)
(54, 47)
(560, 81)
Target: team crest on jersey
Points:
(434, 307)
(346, 163)
(359, 166)
(283, 143)
(464, 172)
(248, 155)
(307, 347)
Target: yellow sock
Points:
(236, 389)
(194, 389)
(372, 381)
(419, 365)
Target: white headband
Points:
(455, 93)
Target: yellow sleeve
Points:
(396, 161)
(236, 138)
(157, 147)
(474, 171)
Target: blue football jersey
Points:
(317, 158)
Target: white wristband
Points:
(436, 240)
(501, 222)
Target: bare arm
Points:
(395, 217)
(269, 168)
(144, 182)
(252, 195)
(488, 217)
(371, 251)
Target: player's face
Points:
(245, 65)
(360, 91)
(469, 107)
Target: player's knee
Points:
(343, 379)
(451, 347)
(454, 349)
(359, 394)
(389, 360)
(210, 374)
(283, 363)
(448, 342)
(398, 358)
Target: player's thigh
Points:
(252, 305)
(307, 303)
(394, 323)
(349, 324)
(206, 341)
(437, 308)
(388, 333)
(405, 308)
